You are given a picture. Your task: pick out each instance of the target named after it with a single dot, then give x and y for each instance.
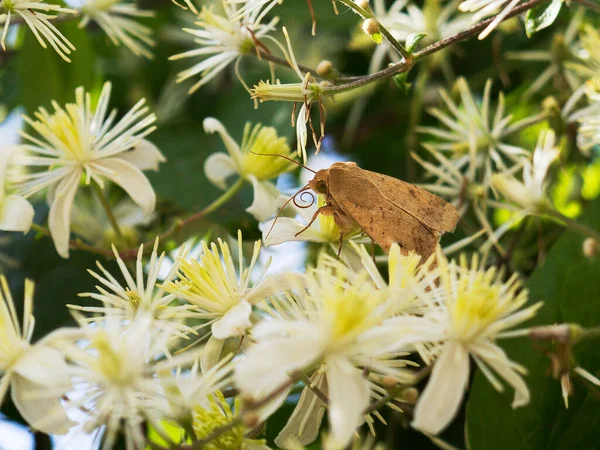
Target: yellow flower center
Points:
(63, 125)
(217, 414)
(111, 364)
(477, 306)
(134, 299)
(264, 140)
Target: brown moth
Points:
(388, 210)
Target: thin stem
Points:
(214, 434)
(108, 210)
(589, 5)
(368, 14)
(75, 244)
(180, 224)
(574, 225)
(433, 48)
(318, 392)
(588, 333)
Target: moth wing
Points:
(434, 212)
(381, 219)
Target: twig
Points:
(433, 48)
(589, 5)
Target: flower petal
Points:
(44, 366)
(348, 398)
(16, 214)
(131, 179)
(43, 414)
(495, 357)
(145, 156)
(212, 125)
(211, 353)
(274, 284)
(302, 428)
(218, 167)
(59, 218)
(285, 229)
(235, 322)
(265, 199)
(440, 401)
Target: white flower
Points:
(33, 13)
(588, 53)
(118, 20)
(117, 381)
(36, 374)
(16, 213)
(223, 295)
(136, 298)
(485, 8)
(322, 230)
(89, 220)
(558, 57)
(254, 168)
(468, 311)
(225, 37)
(324, 326)
(251, 6)
(530, 194)
(473, 132)
(79, 141)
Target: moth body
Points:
(387, 209)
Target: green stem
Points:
(108, 210)
(589, 5)
(574, 225)
(368, 14)
(588, 333)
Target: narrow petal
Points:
(59, 219)
(285, 229)
(145, 156)
(348, 398)
(264, 205)
(305, 422)
(212, 125)
(16, 214)
(211, 353)
(495, 357)
(440, 401)
(218, 168)
(131, 179)
(235, 322)
(274, 284)
(44, 366)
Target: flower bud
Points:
(324, 68)
(590, 248)
(410, 395)
(371, 27)
(251, 420)
(389, 382)
(364, 4)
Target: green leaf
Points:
(541, 16)
(377, 38)
(401, 82)
(413, 40)
(568, 285)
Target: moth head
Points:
(320, 182)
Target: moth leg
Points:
(326, 209)
(373, 249)
(340, 246)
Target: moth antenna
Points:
(285, 157)
(283, 206)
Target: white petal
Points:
(131, 179)
(16, 214)
(218, 168)
(267, 364)
(235, 322)
(145, 156)
(43, 414)
(274, 284)
(440, 401)
(348, 398)
(212, 125)
(59, 218)
(305, 422)
(264, 204)
(211, 353)
(43, 365)
(285, 229)
(495, 357)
